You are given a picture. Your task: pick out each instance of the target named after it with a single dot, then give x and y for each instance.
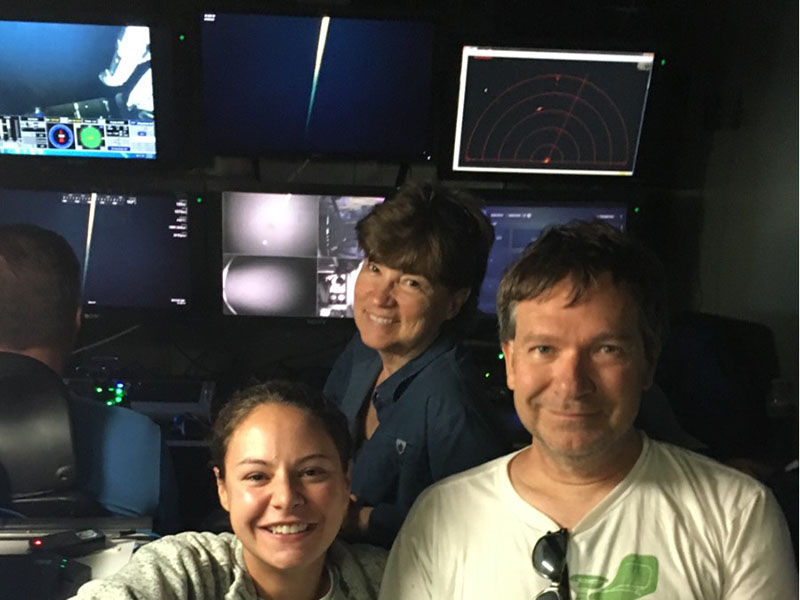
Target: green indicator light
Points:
(636, 209)
(119, 400)
(111, 389)
(91, 137)
(486, 375)
(119, 392)
(181, 37)
(199, 200)
(109, 403)
(99, 390)
(663, 61)
(500, 356)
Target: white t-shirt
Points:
(679, 526)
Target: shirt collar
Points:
(394, 385)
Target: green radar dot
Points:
(91, 137)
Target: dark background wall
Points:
(716, 182)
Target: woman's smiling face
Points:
(400, 314)
(285, 489)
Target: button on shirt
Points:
(432, 424)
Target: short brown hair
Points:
(432, 231)
(582, 252)
(290, 393)
(40, 283)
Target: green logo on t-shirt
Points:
(637, 576)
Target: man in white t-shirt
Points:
(592, 509)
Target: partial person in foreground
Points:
(592, 508)
(122, 461)
(281, 456)
(411, 395)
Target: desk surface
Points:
(111, 526)
(123, 536)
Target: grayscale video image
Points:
(338, 216)
(336, 278)
(258, 285)
(269, 224)
(291, 255)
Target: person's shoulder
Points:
(91, 411)
(449, 507)
(203, 542)
(364, 554)
(203, 565)
(704, 478)
(688, 462)
(451, 378)
(355, 352)
(360, 566)
(451, 489)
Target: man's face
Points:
(578, 370)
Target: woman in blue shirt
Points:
(413, 401)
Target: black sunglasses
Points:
(550, 561)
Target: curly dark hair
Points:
(432, 231)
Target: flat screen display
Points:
(553, 112)
(133, 249)
(290, 255)
(304, 86)
(77, 90)
(516, 226)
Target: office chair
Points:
(717, 373)
(38, 470)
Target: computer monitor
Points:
(133, 248)
(517, 225)
(291, 255)
(299, 86)
(76, 90)
(552, 112)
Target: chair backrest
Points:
(38, 467)
(36, 451)
(717, 373)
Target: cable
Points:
(9, 513)
(298, 170)
(106, 340)
(195, 361)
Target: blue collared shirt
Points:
(433, 423)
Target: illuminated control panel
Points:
(67, 136)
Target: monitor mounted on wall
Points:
(291, 255)
(303, 86)
(518, 224)
(133, 248)
(550, 112)
(76, 90)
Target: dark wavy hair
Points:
(289, 393)
(432, 231)
(582, 252)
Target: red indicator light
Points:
(37, 542)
